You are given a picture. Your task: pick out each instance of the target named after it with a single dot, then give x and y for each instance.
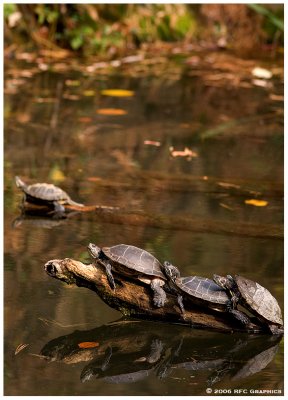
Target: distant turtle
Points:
(45, 193)
(131, 261)
(196, 290)
(255, 298)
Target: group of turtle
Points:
(221, 293)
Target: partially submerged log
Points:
(116, 215)
(134, 298)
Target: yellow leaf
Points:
(89, 93)
(88, 345)
(117, 92)
(56, 175)
(70, 82)
(257, 203)
(111, 111)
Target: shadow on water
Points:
(125, 352)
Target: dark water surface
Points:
(102, 159)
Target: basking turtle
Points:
(255, 298)
(45, 193)
(198, 290)
(131, 261)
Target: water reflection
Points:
(131, 351)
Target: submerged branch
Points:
(120, 216)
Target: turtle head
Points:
(170, 271)
(19, 183)
(225, 282)
(94, 250)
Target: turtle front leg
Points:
(108, 270)
(159, 295)
(59, 208)
(180, 302)
(240, 316)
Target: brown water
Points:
(207, 228)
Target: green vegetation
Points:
(110, 28)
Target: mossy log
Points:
(134, 298)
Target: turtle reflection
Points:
(130, 351)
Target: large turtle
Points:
(255, 298)
(45, 193)
(131, 261)
(195, 289)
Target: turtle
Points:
(196, 289)
(255, 298)
(46, 193)
(131, 261)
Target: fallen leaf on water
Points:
(182, 153)
(152, 143)
(257, 203)
(261, 73)
(71, 96)
(85, 119)
(71, 82)
(94, 179)
(117, 92)
(276, 97)
(88, 345)
(20, 348)
(89, 93)
(56, 175)
(261, 83)
(111, 111)
(45, 100)
(228, 185)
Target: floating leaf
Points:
(56, 175)
(152, 143)
(20, 348)
(183, 153)
(276, 97)
(228, 185)
(94, 179)
(71, 96)
(89, 93)
(261, 73)
(257, 203)
(88, 345)
(85, 119)
(117, 92)
(111, 111)
(71, 82)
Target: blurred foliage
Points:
(110, 28)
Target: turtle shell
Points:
(136, 259)
(259, 299)
(203, 288)
(47, 192)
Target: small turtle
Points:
(198, 290)
(255, 298)
(45, 193)
(131, 261)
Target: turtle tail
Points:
(73, 203)
(19, 183)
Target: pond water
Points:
(53, 133)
